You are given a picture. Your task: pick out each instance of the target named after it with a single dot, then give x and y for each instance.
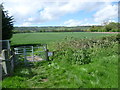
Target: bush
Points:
(111, 27)
(80, 51)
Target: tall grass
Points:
(76, 64)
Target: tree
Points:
(112, 27)
(7, 24)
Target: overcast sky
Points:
(61, 12)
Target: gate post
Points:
(24, 52)
(46, 53)
(32, 53)
(4, 62)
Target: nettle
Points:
(81, 51)
(81, 56)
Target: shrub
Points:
(80, 51)
(7, 24)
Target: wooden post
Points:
(46, 55)
(8, 61)
(24, 52)
(3, 62)
(0, 71)
(16, 60)
(12, 62)
(8, 44)
(32, 53)
(1, 23)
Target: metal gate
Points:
(32, 53)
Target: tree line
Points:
(50, 29)
(110, 27)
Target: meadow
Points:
(81, 60)
(49, 37)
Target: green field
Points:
(48, 37)
(77, 62)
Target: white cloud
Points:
(39, 11)
(84, 22)
(90, 24)
(26, 24)
(72, 22)
(107, 13)
(31, 19)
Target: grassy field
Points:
(77, 63)
(48, 37)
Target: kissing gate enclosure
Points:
(31, 53)
(25, 54)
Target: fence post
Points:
(46, 53)
(12, 62)
(24, 52)
(4, 62)
(8, 61)
(15, 58)
(32, 54)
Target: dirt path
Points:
(107, 32)
(36, 58)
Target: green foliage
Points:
(7, 24)
(79, 51)
(50, 29)
(111, 27)
(67, 71)
(95, 28)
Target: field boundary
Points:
(106, 32)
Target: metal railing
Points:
(30, 53)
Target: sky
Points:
(61, 12)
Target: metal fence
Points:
(31, 53)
